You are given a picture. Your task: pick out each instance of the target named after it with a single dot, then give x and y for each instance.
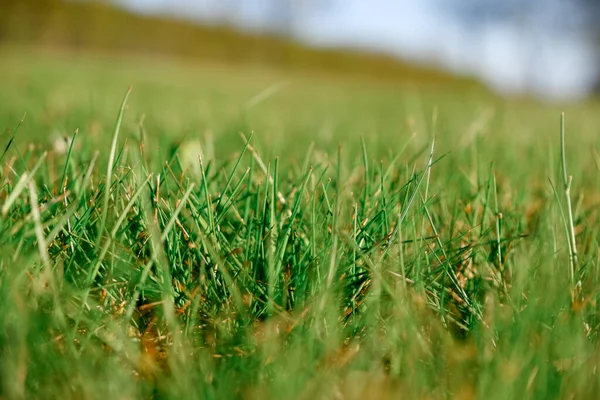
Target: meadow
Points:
(205, 230)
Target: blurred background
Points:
(546, 48)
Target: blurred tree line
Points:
(101, 26)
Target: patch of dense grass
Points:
(332, 239)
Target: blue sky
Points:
(530, 54)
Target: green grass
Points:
(339, 239)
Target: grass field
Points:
(339, 239)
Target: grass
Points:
(103, 26)
(335, 239)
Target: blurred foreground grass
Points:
(327, 246)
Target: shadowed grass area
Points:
(336, 240)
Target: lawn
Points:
(201, 230)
